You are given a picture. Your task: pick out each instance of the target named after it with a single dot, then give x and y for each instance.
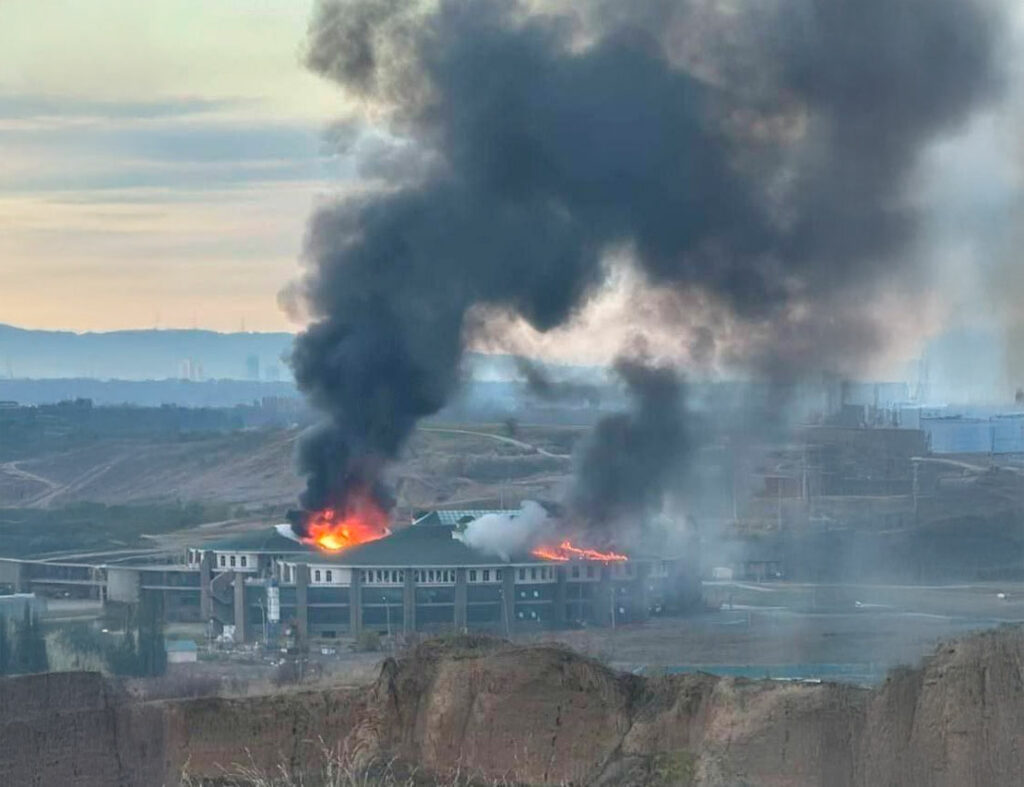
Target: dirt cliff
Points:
(544, 715)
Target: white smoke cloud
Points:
(287, 531)
(508, 534)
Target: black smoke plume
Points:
(765, 167)
(630, 459)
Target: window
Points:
(401, 576)
(430, 575)
(416, 576)
(533, 573)
(497, 574)
(472, 575)
(223, 561)
(522, 573)
(244, 561)
(232, 561)
(316, 575)
(487, 575)
(590, 572)
(575, 572)
(328, 576)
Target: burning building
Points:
(426, 577)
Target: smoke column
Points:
(631, 458)
(766, 168)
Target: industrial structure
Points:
(265, 584)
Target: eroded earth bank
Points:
(544, 715)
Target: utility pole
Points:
(611, 586)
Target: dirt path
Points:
(79, 482)
(499, 438)
(12, 469)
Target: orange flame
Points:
(332, 531)
(567, 551)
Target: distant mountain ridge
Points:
(192, 354)
(148, 354)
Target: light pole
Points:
(263, 614)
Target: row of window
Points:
(444, 576)
(194, 557)
(537, 574)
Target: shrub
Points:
(368, 641)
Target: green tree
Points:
(30, 646)
(123, 659)
(152, 650)
(142, 651)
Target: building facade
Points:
(422, 578)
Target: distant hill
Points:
(152, 354)
(145, 393)
(144, 355)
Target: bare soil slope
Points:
(544, 715)
(469, 466)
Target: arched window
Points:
(316, 575)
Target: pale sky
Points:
(158, 161)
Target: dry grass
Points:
(338, 766)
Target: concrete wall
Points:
(12, 573)
(123, 585)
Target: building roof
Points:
(269, 540)
(415, 546)
(455, 517)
